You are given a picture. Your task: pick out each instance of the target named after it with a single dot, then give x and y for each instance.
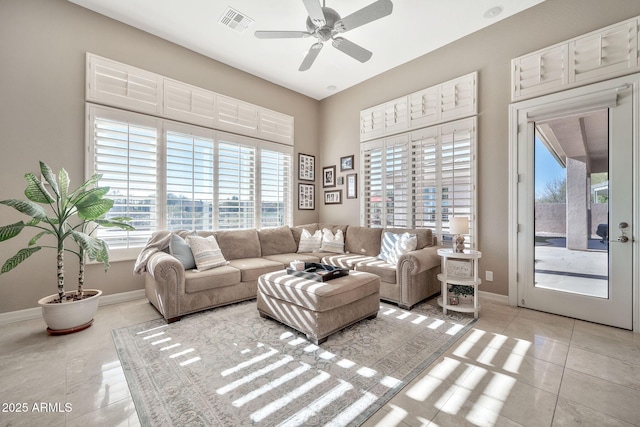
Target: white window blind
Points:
(236, 183)
(125, 152)
(276, 192)
(167, 175)
(189, 181)
(386, 190)
(421, 179)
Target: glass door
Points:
(575, 206)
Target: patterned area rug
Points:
(230, 367)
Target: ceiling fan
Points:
(325, 24)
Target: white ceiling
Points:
(415, 28)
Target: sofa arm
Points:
(164, 283)
(416, 262)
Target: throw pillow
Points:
(396, 245)
(180, 249)
(206, 252)
(310, 243)
(332, 243)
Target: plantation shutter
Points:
(276, 127)
(189, 180)
(424, 107)
(540, 72)
(237, 116)
(189, 103)
(276, 186)
(426, 169)
(396, 182)
(372, 170)
(458, 174)
(371, 123)
(607, 52)
(386, 183)
(112, 83)
(125, 151)
(396, 115)
(236, 200)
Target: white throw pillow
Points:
(310, 243)
(332, 243)
(206, 252)
(179, 248)
(396, 245)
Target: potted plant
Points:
(459, 291)
(66, 217)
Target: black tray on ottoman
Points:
(319, 272)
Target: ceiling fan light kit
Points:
(325, 24)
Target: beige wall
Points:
(489, 52)
(42, 53)
(42, 50)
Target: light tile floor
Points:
(515, 367)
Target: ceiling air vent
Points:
(236, 20)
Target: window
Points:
(421, 179)
(174, 176)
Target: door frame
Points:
(565, 97)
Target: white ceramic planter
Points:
(69, 316)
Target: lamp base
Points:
(458, 244)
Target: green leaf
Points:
(35, 238)
(91, 245)
(26, 207)
(103, 255)
(90, 196)
(115, 222)
(10, 231)
(15, 260)
(93, 180)
(95, 210)
(63, 179)
(35, 190)
(49, 176)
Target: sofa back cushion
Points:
(238, 244)
(363, 240)
(274, 241)
(425, 235)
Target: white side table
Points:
(460, 273)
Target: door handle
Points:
(623, 239)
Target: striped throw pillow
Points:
(206, 252)
(332, 243)
(310, 243)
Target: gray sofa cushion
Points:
(346, 260)
(379, 267)
(277, 240)
(363, 240)
(238, 244)
(252, 268)
(218, 277)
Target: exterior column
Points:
(577, 203)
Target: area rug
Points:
(230, 367)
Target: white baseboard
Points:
(36, 312)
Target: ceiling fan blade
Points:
(311, 56)
(352, 49)
(376, 10)
(315, 12)
(281, 34)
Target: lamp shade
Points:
(459, 225)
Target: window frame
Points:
(163, 127)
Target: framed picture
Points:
(352, 186)
(306, 167)
(346, 163)
(333, 197)
(329, 176)
(306, 196)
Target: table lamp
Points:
(458, 225)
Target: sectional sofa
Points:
(175, 291)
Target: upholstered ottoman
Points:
(318, 309)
